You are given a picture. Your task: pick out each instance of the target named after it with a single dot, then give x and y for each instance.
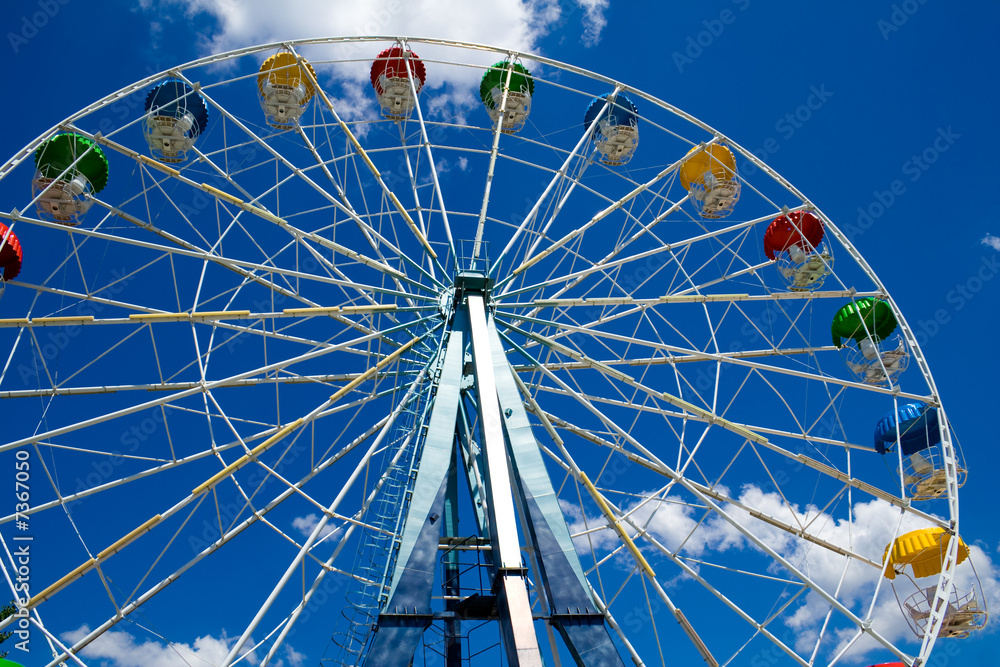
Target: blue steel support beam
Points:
(510, 582)
(572, 610)
(452, 571)
(407, 613)
(511, 468)
(472, 459)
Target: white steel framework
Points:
(228, 373)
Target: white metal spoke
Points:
(559, 175)
(493, 157)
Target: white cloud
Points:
(865, 535)
(295, 659)
(513, 24)
(510, 24)
(593, 20)
(668, 519)
(444, 165)
(671, 522)
(306, 524)
(354, 103)
(991, 241)
(122, 649)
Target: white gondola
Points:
(616, 143)
(395, 96)
(515, 113)
(169, 138)
(714, 197)
(878, 363)
(283, 104)
(63, 201)
(805, 271)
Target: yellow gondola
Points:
(285, 88)
(924, 553)
(709, 175)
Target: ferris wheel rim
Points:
(806, 203)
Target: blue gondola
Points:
(915, 427)
(616, 134)
(176, 115)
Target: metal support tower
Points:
(509, 486)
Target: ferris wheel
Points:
(399, 379)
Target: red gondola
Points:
(390, 77)
(801, 230)
(794, 240)
(10, 253)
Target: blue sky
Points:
(883, 114)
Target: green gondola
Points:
(518, 106)
(863, 319)
(868, 322)
(70, 168)
(57, 154)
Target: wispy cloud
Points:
(991, 241)
(674, 523)
(122, 649)
(594, 21)
(306, 524)
(513, 24)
